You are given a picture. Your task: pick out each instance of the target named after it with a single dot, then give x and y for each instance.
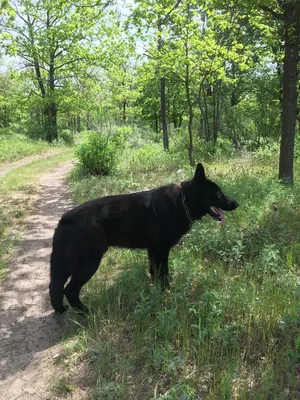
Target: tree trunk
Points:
(78, 124)
(206, 115)
(5, 117)
(156, 122)
(188, 93)
(180, 120)
(124, 112)
(70, 122)
(174, 119)
(163, 97)
(290, 75)
(191, 114)
(51, 107)
(216, 111)
(164, 113)
(88, 122)
(50, 114)
(204, 111)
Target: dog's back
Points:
(135, 220)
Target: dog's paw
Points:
(83, 310)
(62, 309)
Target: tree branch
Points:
(35, 93)
(96, 4)
(67, 63)
(172, 9)
(274, 14)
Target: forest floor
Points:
(30, 332)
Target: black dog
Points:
(154, 220)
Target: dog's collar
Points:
(186, 209)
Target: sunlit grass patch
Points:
(14, 147)
(62, 387)
(21, 178)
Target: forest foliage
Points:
(214, 69)
(210, 81)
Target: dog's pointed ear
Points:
(199, 173)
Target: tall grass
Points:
(14, 147)
(230, 326)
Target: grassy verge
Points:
(230, 326)
(18, 190)
(14, 147)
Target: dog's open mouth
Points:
(217, 214)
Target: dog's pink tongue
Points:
(222, 220)
(222, 216)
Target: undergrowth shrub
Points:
(65, 138)
(222, 148)
(267, 152)
(34, 130)
(203, 150)
(138, 136)
(98, 153)
(143, 153)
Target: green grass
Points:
(18, 189)
(230, 326)
(62, 387)
(21, 179)
(14, 147)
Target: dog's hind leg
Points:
(56, 290)
(81, 276)
(58, 278)
(88, 265)
(163, 270)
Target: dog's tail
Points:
(58, 274)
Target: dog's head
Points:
(208, 197)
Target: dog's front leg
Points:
(152, 264)
(158, 265)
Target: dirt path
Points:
(29, 330)
(7, 167)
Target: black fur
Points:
(154, 220)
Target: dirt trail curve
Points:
(29, 330)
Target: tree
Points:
(200, 61)
(155, 16)
(286, 14)
(120, 69)
(291, 20)
(148, 102)
(10, 90)
(53, 39)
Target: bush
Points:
(98, 153)
(65, 138)
(203, 150)
(267, 152)
(222, 148)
